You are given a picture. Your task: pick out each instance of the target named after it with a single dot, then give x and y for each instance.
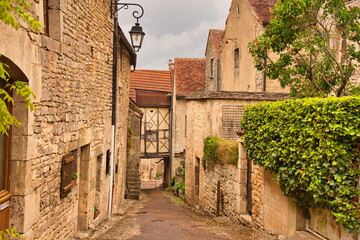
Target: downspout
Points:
(113, 116)
(171, 121)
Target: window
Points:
(68, 173)
(185, 125)
(217, 72)
(52, 19)
(231, 119)
(46, 17)
(212, 67)
(236, 58)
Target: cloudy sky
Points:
(174, 28)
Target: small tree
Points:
(12, 11)
(311, 46)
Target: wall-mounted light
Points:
(136, 32)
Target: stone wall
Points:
(228, 176)
(133, 162)
(70, 71)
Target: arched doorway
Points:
(5, 145)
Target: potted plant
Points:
(74, 178)
(96, 212)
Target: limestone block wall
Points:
(179, 141)
(242, 26)
(324, 224)
(196, 131)
(133, 162)
(228, 175)
(70, 71)
(150, 167)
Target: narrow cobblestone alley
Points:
(160, 215)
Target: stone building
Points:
(247, 20)
(133, 184)
(57, 170)
(151, 91)
(246, 192)
(188, 77)
(213, 65)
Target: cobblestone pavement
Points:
(159, 215)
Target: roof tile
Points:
(263, 8)
(153, 80)
(216, 36)
(190, 75)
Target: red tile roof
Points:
(154, 80)
(189, 75)
(263, 8)
(216, 36)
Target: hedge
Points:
(313, 147)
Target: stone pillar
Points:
(242, 181)
(25, 200)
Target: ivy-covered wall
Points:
(313, 147)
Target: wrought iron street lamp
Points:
(136, 32)
(137, 36)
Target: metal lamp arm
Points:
(115, 7)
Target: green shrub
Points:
(313, 147)
(180, 186)
(169, 189)
(172, 181)
(221, 151)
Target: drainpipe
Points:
(171, 121)
(113, 116)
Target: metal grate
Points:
(231, 119)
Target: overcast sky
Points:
(174, 28)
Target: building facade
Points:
(57, 163)
(151, 91)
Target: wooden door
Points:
(4, 178)
(197, 181)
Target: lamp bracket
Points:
(116, 6)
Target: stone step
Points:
(134, 197)
(133, 184)
(133, 181)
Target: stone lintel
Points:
(262, 96)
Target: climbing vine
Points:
(221, 151)
(130, 135)
(313, 147)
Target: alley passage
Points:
(161, 216)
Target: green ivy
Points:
(130, 135)
(313, 147)
(221, 151)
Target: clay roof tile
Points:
(216, 36)
(153, 80)
(263, 9)
(190, 75)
